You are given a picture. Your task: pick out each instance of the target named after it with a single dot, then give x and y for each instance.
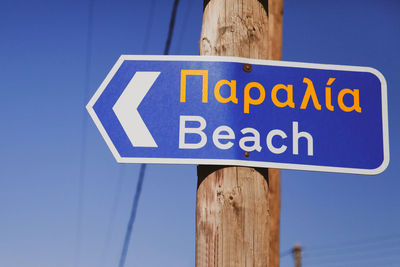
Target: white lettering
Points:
(271, 147)
(224, 137)
(297, 136)
(199, 131)
(255, 139)
(217, 136)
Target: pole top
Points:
(263, 2)
(297, 248)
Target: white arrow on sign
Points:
(126, 109)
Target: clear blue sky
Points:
(42, 75)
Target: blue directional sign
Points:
(237, 111)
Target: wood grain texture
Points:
(237, 211)
(274, 194)
(275, 10)
(235, 28)
(232, 219)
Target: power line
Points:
(383, 248)
(184, 23)
(133, 216)
(394, 257)
(143, 166)
(286, 253)
(149, 26)
(121, 172)
(367, 249)
(379, 250)
(82, 167)
(355, 244)
(114, 207)
(171, 27)
(121, 169)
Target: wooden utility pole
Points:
(238, 208)
(297, 255)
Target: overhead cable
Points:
(82, 166)
(143, 166)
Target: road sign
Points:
(237, 111)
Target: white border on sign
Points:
(249, 163)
